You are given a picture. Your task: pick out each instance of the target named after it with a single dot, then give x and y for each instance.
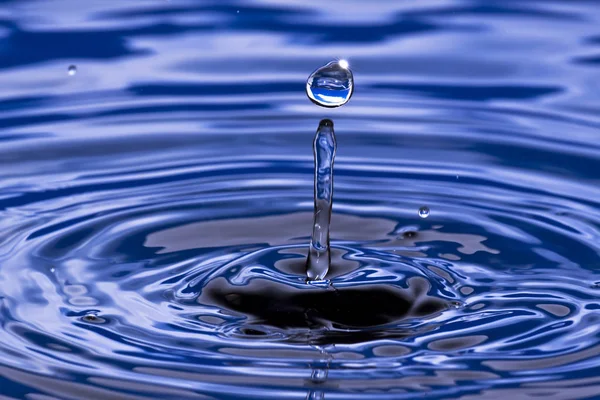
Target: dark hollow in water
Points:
(363, 312)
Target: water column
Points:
(319, 256)
(330, 86)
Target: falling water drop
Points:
(331, 85)
(319, 257)
(72, 70)
(424, 212)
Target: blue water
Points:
(156, 206)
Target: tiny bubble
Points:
(72, 70)
(52, 269)
(424, 212)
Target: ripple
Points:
(167, 264)
(156, 210)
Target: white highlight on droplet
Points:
(344, 64)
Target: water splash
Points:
(331, 85)
(319, 257)
(129, 223)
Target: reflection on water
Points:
(156, 207)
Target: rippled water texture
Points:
(156, 203)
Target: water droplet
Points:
(93, 318)
(424, 212)
(331, 85)
(72, 70)
(52, 269)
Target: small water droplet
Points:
(72, 70)
(238, 11)
(52, 269)
(93, 318)
(331, 85)
(424, 212)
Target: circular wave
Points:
(155, 207)
(192, 273)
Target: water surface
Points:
(156, 206)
